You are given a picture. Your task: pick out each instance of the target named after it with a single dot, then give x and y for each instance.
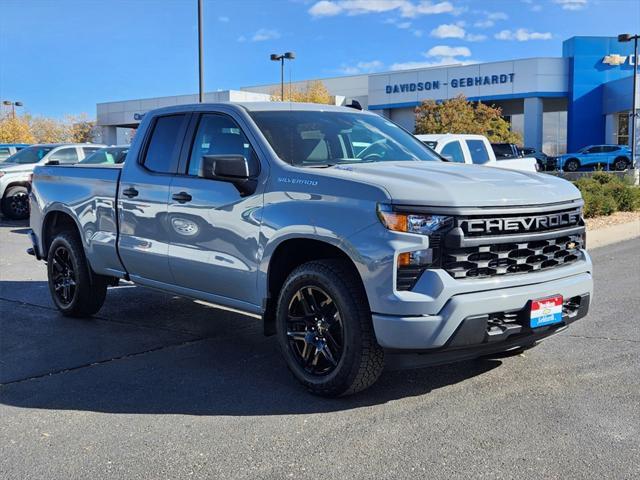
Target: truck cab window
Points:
(453, 150)
(217, 135)
(65, 156)
(166, 138)
(478, 150)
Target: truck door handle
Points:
(182, 197)
(130, 192)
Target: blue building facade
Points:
(596, 67)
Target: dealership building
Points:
(558, 104)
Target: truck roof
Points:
(262, 107)
(436, 137)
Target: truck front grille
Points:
(512, 257)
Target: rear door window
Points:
(4, 153)
(478, 151)
(68, 155)
(453, 150)
(164, 146)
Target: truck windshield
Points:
(29, 155)
(315, 138)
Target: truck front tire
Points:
(76, 291)
(325, 331)
(15, 203)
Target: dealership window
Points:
(554, 132)
(622, 133)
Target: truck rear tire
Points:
(76, 291)
(15, 203)
(621, 163)
(325, 331)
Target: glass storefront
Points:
(622, 132)
(554, 133)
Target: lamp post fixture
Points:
(626, 37)
(200, 65)
(13, 106)
(281, 57)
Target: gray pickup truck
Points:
(353, 241)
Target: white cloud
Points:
(448, 31)
(484, 24)
(475, 38)
(447, 51)
(329, 8)
(265, 34)
(404, 25)
(572, 4)
(438, 56)
(362, 67)
(223, 19)
(242, 38)
(325, 8)
(522, 35)
(490, 19)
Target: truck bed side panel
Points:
(88, 195)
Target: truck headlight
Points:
(420, 223)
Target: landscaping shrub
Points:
(606, 193)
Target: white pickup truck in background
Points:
(474, 149)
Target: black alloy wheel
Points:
(315, 330)
(572, 165)
(15, 203)
(620, 164)
(64, 276)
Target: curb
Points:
(613, 234)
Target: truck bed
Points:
(88, 194)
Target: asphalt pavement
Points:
(158, 386)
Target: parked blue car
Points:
(608, 157)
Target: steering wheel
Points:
(367, 153)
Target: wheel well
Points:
(54, 223)
(17, 184)
(287, 256)
(622, 157)
(574, 159)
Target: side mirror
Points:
(448, 158)
(236, 169)
(52, 162)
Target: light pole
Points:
(13, 106)
(281, 57)
(200, 66)
(626, 37)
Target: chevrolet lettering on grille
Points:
(520, 224)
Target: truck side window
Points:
(454, 151)
(65, 156)
(217, 135)
(478, 150)
(164, 146)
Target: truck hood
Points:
(459, 185)
(16, 167)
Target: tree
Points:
(458, 115)
(15, 129)
(314, 92)
(49, 130)
(81, 129)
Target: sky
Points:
(63, 56)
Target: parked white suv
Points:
(474, 149)
(16, 171)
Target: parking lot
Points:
(158, 386)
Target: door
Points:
(142, 200)
(214, 229)
(593, 156)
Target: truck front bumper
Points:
(485, 321)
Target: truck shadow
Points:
(120, 363)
